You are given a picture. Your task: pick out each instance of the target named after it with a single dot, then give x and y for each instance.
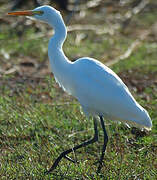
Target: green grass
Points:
(38, 120)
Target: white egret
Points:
(99, 90)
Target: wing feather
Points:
(100, 91)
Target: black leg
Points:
(104, 145)
(64, 154)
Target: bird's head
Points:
(44, 13)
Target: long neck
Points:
(55, 51)
(60, 34)
(59, 63)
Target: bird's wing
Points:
(102, 91)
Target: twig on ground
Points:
(98, 29)
(130, 49)
(127, 17)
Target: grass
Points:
(38, 120)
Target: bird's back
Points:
(101, 92)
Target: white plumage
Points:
(98, 89)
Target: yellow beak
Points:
(25, 13)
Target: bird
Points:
(99, 90)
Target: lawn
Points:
(38, 120)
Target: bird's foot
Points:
(55, 165)
(100, 165)
(71, 160)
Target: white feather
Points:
(98, 89)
